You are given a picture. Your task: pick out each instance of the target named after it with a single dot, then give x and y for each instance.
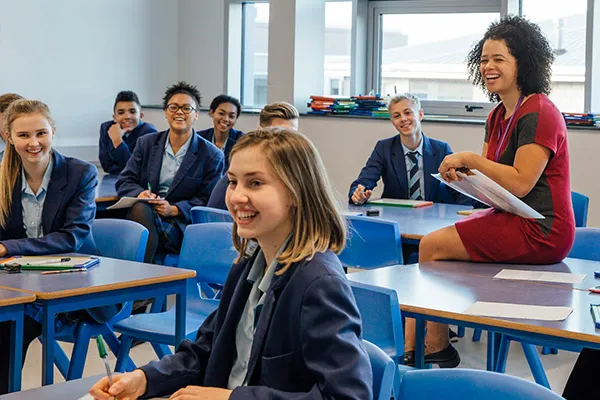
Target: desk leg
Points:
(491, 351)
(180, 307)
(16, 353)
(420, 343)
(47, 345)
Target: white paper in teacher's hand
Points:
(519, 311)
(541, 276)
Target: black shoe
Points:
(447, 358)
(453, 336)
(135, 342)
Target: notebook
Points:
(51, 262)
(401, 203)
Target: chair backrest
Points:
(119, 238)
(580, 208)
(587, 244)
(381, 320)
(455, 384)
(208, 249)
(383, 369)
(371, 243)
(202, 215)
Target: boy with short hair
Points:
(119, 136)
(5, 100)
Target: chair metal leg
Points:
(461, 331)
(476, 335)
(535, 364)
(78, 356)
(123, 355)
(61, 360)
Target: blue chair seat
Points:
(160, 327)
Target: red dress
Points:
(496, 236)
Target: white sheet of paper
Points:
(483, 189)
(543, 276)
(126, 202)
(519, 311)
(89, 397)
(352, 213)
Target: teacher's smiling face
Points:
(498, 67)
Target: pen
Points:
(50, 261)
(102, 353)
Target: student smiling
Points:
(224, 111)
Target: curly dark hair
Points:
(223, 98)
(182, 87)
(528, 46)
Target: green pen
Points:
(103, 356)
(149, 187)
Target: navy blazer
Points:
(198, 174)
(112, 159)
(307, 343)
(217, 197)
(387, 162)
(69, 210)
(234, 136)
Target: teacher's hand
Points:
(451, 163)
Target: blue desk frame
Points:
(14, 315)
(53, 306)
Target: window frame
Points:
(374, 44)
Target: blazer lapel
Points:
(188, 162)
(155, 161)
(429, 167)
(56, 191)
(14, 227)
(399, 164)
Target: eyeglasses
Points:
(173, 108)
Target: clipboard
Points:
(36, 263)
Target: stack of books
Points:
(370, 106)
(586, 119)
(330, 105)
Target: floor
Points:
(472, 353)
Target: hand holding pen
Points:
(147, 194)
(361, 195)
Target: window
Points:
(255, 51)
(421, 47)
(338, 30)
(565, 28)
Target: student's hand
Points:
(146, 194)
(451, 163)
(361, 195)
(116, 134)
(164, 209)
(3, 250)
(200, 393)
(127, 386)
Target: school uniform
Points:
(232, 138)
(217, 197)
(307, 340)
(393, 163)
(112, 159)
(56, 219)
(189, 182)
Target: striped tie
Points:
(414, 183)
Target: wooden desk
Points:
(11, 310)
(416, 222)
(441, 294)
(67, 390)
(113, 281)
(106, 193)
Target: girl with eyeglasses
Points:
(176, 169)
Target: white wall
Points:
(77, 55)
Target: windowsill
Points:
(445, 119)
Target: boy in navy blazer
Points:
(119, 136)
(406, 161)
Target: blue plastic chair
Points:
(587, 244)
(371, 243)
(382, 323)
(207, 249)
(115, 238)
(462, 384)
(201, 215)
(383, 369)
(580, 208)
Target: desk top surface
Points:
(416, 222)
(437, 290)
(11, 297)
(106, 191)
(111, 274)
(66, 390)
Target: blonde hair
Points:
(281, 110)
(7, 99)
(318, 224)
(11, 164)
(405, 96)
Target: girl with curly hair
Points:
(525, 151)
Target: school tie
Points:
(414, 183)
